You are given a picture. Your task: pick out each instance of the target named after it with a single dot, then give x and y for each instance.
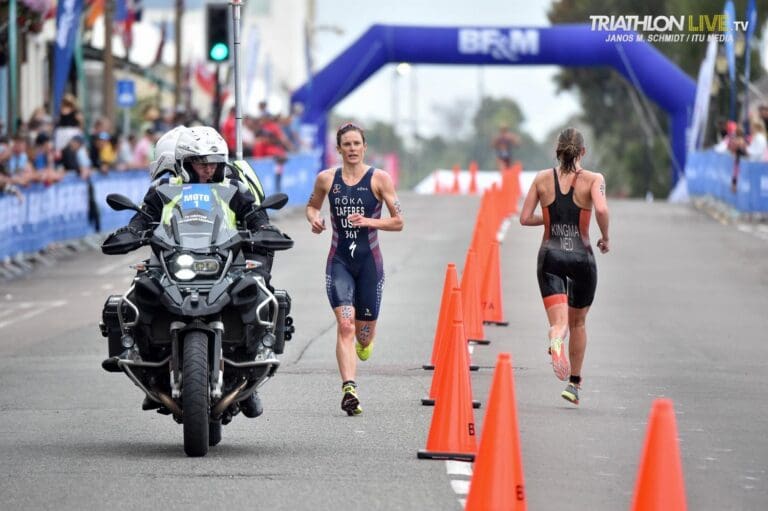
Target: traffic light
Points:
(217, 22)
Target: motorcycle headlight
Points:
(187, 267)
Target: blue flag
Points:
(67, 26)
(752, 20)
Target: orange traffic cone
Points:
(470, 293)
(497, 479)
(445, 316)
(452, 432)
(516, 169)
(456, 188)
(490, 294)
(436, 180)
(497, 213)
(455, 311)
(472, 177)
(480, 239)
(441, 367)
(660, 483)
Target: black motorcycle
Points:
(200, 327)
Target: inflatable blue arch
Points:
(565, 45)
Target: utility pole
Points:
(177, 101)
(108, 90)
(13, 68)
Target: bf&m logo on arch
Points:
(499, 44)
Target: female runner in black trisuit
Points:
(566, 265)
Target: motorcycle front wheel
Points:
(214, 433)
(195, 395)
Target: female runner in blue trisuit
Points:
(354, 275)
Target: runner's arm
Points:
(386, 191)
(527, 216)
(601, 211)
(315, 202)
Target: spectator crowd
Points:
(751, 145)
(43, 151)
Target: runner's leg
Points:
(365, 332)
(578, 345)
(557, 314)
(345, 342)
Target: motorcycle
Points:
(199, 329)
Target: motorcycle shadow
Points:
(149, 450)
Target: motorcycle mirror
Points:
(275, 201)
(121, 202)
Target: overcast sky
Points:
(531, 86)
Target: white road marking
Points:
(104, 270)
(460, 468)
(36, 308)
(460, 486)
(13, 309)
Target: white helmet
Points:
(165, 155)
(201, 144)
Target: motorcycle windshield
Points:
(196, 216)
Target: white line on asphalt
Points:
(11, 310)
(41, 307)
(460, 486)
(459, 468)
(104, 270)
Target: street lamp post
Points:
(402, 69)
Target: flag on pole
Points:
(67, 25)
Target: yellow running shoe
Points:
(350, 403)
(363, 352)
(571, 393)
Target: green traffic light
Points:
(219, 52)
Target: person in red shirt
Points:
(272, 142)
(228, 131)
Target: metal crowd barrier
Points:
(709, 173)
(60, 213)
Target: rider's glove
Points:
(269, 227)
(130, 230)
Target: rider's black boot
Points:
(110, 364)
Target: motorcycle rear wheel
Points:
(195, 396)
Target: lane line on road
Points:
(105, 270)
(42, 307)
(459, 485)
(458, 468)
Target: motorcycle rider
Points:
(200, 155)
